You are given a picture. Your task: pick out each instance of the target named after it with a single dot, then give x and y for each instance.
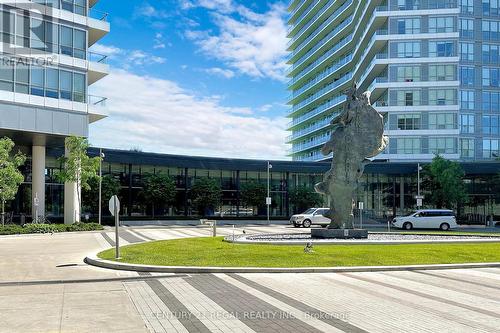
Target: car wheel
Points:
(444, 227)
(407, 226)
(306, 223)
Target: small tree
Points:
(78, 167)
(206, 195)
(303, 198)
(158, 189)
(110, 186)
(443, 181)
(253, 194)
(10, 176)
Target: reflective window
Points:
(491, 148)
(467, 123)
(442, 121)
(467, 148)
(443, 145)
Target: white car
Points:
(310, 217)
(443, 219)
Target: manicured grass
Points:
(215, 252)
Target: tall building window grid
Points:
(408, 49)
(442, 96)
(490, 53)
(408, 97)
(443, 145)
(441, 49)
(75, 6)
(466, 28)
(442, 121)
(467, 75)
(467, 51)
(408, 73)
(490, 77)
(467, 6)
(490, 124)
(409, 121)
(491, 101)
(408, 145)
(409, 25)
(467, 123)
(467, 100)
(441, 24)
(467, 149)
(490, 30)
(43, 81)
(491, 148)
(408, 4)
(35, 33)
(490, 7)
(442, 72)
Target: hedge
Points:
(47, 228)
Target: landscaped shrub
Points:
(48, 228)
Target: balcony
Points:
(97, 67)
(98, 24)
(96, 108)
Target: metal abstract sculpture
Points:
(358, 136)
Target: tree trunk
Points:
(3, 213)
(153, 210)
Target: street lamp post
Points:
(419, 197)
(101, 154)
(268, 198)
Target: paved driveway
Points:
(45, 287)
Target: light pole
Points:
(101, 154)
(419, 198)
(268, 198)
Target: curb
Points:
(94, 261)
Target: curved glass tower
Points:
(432, 68)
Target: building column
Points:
(38, 182)
(72, 198)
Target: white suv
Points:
(443, 219)
(310, 217)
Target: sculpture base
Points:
(340, 233)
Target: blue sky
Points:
(199, 77)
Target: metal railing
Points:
(98, 101)
(98, 15)
(96, 57)
(337, 101)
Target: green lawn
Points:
(215, 252)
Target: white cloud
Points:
(158, 41)
(160, 116)
(128, 58)
(220, 5)
(251, 43)
(148, 11)
(227, 73)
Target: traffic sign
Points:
(114, 202)
(268, 201)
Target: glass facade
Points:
(428, 66)
(386, 188)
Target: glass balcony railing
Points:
(307, 130)
(302, 15)
(337, 101)
(341, 62)
(97, 101)
(310, 144)
(315, 156)
(96, 57)
(98, 15)
(323, 41)
(321, 27)
(322, 92)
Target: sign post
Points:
(114, 208)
